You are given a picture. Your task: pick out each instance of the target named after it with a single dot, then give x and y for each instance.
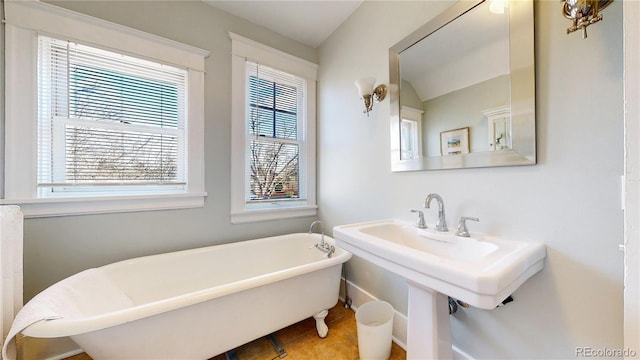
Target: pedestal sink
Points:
(479, 270)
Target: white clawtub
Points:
(191, 304)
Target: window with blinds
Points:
(108, 121)
(275, 112)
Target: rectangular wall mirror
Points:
(462, 89)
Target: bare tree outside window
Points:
(119, 156)
(274, 170)
(274, 152)
(120, 153)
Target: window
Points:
(273, 160)
(107, 122)
(275, 109)
(99, 117)
(410, 133)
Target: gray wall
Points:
(570, 200)
(57, 247)
(409, 96)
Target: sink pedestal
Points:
(429, 328)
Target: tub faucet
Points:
(321, 229)
(441, 225)
(322, 246)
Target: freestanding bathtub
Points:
(191, 304)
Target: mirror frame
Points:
(522, 75)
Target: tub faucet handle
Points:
(322, 246)
(462, 226)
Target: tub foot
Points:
(322, 328)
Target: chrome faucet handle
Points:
(420, 223)
(462, 226)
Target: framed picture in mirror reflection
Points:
(454, 142)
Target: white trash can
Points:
(374, 322)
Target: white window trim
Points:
(243, 48)
(414, 115)
(27, 19)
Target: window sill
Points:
(50, 207)
(249, 216)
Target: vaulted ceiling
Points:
(307, 21)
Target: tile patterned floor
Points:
(301, 341)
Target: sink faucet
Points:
(441, 225)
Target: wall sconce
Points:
(497, 6)
(366, 91)
(583, 13)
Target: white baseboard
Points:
(459, 354)
(359, 296)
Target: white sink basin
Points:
(479, 270)
(434, 242)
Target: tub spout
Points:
(322, 246)
(321, 229)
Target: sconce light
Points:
(366, 91)
(497, 6)
(583, 13)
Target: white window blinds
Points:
(108, 120)
(276, 113)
